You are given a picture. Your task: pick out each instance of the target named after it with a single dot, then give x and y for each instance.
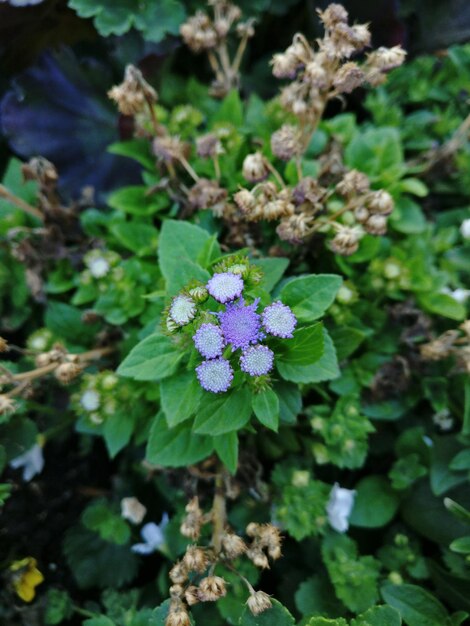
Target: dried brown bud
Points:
(286, 143)
(258, 557)
(168, 148)
(133, 93)
(212, 588)
(284, 65)
(333, 14)
(348, 77)
(252, 529)
(208, 146)
(361, 214)
(233, 545)
(353, 182)
(269, 536)
(40, 169)
(195, 559)
(307, 190)
(7, 405)
(439, 348)
(346, 240)
(191, 525)
(3, 345)
(295, 228)
(199, 33)
(246, 29)
(191, 595)
(179, 573)
(178, 614)
(176, 590)
(380, 202)
(245, 201)
(254, 168)
(385, 59)
(258, 602)
(66, 372)
(315, 74)
(57, 354)
(376, 225)
(206, 194)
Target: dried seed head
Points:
(258, 602)
(191, 595)
(245, 201)
(208, 146)
(178, 614)
(348, 77)
(295, 228)
(7, 405)
(315, 74)
(195, 559)
(346, 240)
(307, 190)
(179, 573)
(376, 225)
(353, 182)
(199, 33)
(212, 588)
(133, 94)
(334, 14)
(385, 59)
(361, 214)
(254, 168)
(191, 525)
(168, 149)
(258, 558)
(252, 529)
(3, 345)
(206, 194)
(439, 348)
(380, 202)
(286, 143)
(176, 591)
(57, 354)
(233, 545)
(246, 29)
(66, 372)
(361, 35)
(279, 207)
(269, 536)
(284, 65)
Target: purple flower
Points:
(225, 287)
(209, 341)
(257, 360)
(215, 375)
(240, 324)
(279, 320)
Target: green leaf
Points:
(180, 397)
(160, 18)
(378, 153)
(408, 217)
(442, 477)
(416, 606)
(305, 347)
(109, 525)
(326, 621)
(316, 596)
(378, 616)
(175, 447)
(58, 607)
(375, 504)
(273, 269)
(310, 296)
(180, 246)
(101, 620)
(154, 358)
(222, 414)
(347, 340)
(442, 304)
(226, 447)
(18, 436)
(461, 461)
(135, 201)
(117, 432)
(325, 368)
(231, 109)
(65, 321)
(266, 408)
(461, 545)
(137, 149)
(139, 238)
(290, 401)
(277, 615)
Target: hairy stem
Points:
(21, 204)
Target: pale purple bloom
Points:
(209, 341)
(241, 324)
(257, 360)
(153, 537)
(339, 507)
(215, 375)
(279, 320)
(32, 462)
(225, 287)
(182, 309)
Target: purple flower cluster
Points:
(240, 326)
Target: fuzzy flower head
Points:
(209, 341)
(279, 320)
(215, 375)
(257, 360)
(90, 400)
(240, 324)
(225, 287)
(182, 310)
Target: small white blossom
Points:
(133, 510)
(443, 420)
(459, 295)
(465, 229)
(98, 267)
(32, 462)
(339, 507)
(90, 400)
(153, 537)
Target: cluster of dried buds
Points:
(203, 33)
(302, 209)
(193, 579)
(452, 343)
(319, 75)
(134, 94)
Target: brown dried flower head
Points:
(199, 32)
(376, 225)
(348, 77)
(179, 573)
(195, 559)
(258, 602)
(258, 558)
(212, 588)
(208, 146)
(233, 545)
(295, 228)
(178, 614)
(353, 183)
(254, 168)
(245, 201)
(191, 595)
(380, 202)
(168, 149)
(132, 95)
(286, 142)
(3, 345)
(346, 240)
(7, 405)
(207, 194)
(65, 373)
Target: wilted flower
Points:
(254, 168)
(225, 287)
(285, 142)
(153, 536)
(258, 602)
(209, 341)
(133, 510)
(32, 462)
(215, 375)
(212, 588)
(182, 309)
(278, 320)
(339, 507)
(257, 360)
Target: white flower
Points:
(459, 295)
(90, 400)
(98, 267)
(133, 510)
(443, 419)
(465, 229)
(339, 507)
(32, 462)
(153, 536)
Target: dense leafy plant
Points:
(268, 334)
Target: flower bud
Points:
(380, 202)
(212, 588)
(258, 602)
(191, 595)
(346, 241)
(376, 225)
(179, 573)
(66, 372)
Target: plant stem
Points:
(219, 511)
(21, 204)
